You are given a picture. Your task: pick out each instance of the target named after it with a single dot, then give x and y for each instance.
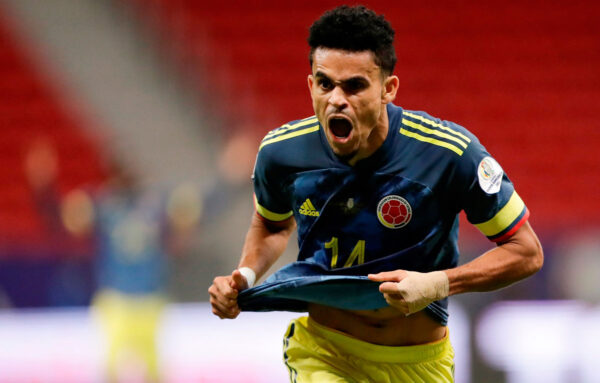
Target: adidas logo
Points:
(307, 208)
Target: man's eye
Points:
(325, 84)
(354, 86)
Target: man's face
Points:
(349, 94)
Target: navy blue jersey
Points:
(397, 209)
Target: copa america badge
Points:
(394, 212)
(489, 173)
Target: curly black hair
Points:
(355, 29)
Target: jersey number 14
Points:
(357, 255)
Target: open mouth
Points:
(340, 127)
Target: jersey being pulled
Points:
(397, 209)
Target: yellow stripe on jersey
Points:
(434, 132)
(269, 214)
(437, 125)
(504, 218)
(287, 127)
(293, 134)
(433, 141)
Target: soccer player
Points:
(374, 192)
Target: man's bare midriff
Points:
(386, 326)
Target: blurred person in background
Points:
(374, 192)
(133, 230)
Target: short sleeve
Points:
(491, 202)
(269, 199)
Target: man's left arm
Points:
(517, 257)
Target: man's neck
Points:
(375, 140)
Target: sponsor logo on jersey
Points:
(394, 212)
(489, 173)
(308, 208)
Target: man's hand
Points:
(224, 292)
(410, 291)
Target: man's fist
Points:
(410, 291)
(224, 292)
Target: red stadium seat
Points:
(30, 110)
(522, 76)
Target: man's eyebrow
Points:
(320, 74)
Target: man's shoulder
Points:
(290, 134)
(426, 131)
(296, 145)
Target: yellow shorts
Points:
(131, 325)
(315, 353)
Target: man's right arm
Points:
(264, 244)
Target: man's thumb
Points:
(239, 281)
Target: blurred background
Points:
(128, 132)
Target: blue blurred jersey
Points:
(130, 243)
(397, 209)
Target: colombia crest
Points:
(394, 212)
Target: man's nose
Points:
(337, 98)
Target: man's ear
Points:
(311, 81)
(390, 87)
